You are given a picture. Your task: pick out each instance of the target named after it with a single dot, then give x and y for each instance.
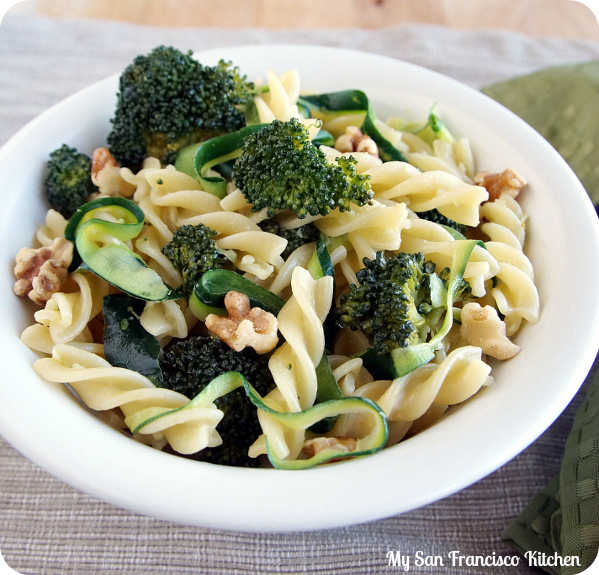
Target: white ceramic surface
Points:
(48, 426)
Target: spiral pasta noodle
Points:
(66, 316)
(165, 319)
(505, 221)
(149, 244)
(138, 180)
(53, 228)
(234, 201)
(349, 373)
(454, 198)
(458, 377)
(280, 102)
(369, 228)
(293, 365)
(103, 387)
(300, 323)
(516, 295)
(455, 159)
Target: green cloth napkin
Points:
(562, 104)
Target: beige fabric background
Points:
(46, 527)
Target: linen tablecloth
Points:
(48, 527)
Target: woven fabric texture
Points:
(579, 483)
(47, 527)
(562, 104)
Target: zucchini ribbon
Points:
(99, 230)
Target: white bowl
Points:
(48, 426)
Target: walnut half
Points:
(245, 326)
(507, 182)
(42, 272)
(106, 175)
(355, 141)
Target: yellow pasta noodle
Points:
(66, 316)
(104, 387)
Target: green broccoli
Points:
(168, 100)
(390, 303)
(295, 238)
(189, 365)
(279, 168)
(68, 181)
(193, 251)
(438, 218)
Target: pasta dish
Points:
(251, 275)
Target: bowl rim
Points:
(317, 510)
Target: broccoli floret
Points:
(168, 100)
(68, 181)
(390, 303)
(189, 365)
(295, 238)
(279, 168)
(193, 251)
(438, 218)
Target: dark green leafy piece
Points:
(126, 343)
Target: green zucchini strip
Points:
(302, 420)
(320, 264)
(100, 244)
(336, 104)
(197, 159)
(433, 129)
(218, 387)
(210, 291)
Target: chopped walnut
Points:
(42, 272)
(355, 141)
(507, 182)
(106, 175)
(482, 327)
(245, 326)
(341, 444)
